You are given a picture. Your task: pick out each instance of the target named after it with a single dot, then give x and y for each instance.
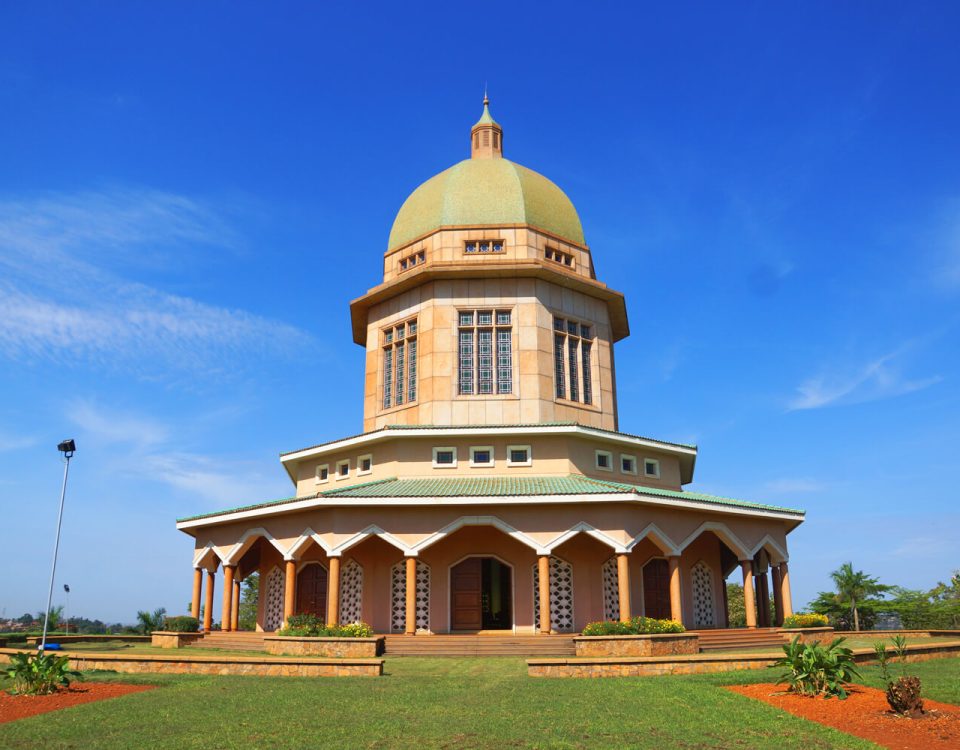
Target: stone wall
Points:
(808, 635)
(337, 648)
(168, 639)
(661, 644)
(67, 639)
(228, 665)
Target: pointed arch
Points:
(478, 521)
(200, 558)
(724, 534)
(296, 549)
(371, 530)
(663, 542)
(585, 528)
(775, 552)
(246, 542)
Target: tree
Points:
(736, 611)
(249, 602)
(150, 622)
(26, 619)
(55, 614)
(855, 587)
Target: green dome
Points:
(486, 191)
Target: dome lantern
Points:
(486, 137)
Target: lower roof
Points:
(496, 487)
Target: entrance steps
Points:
(240, 640)
(728, 638)
(479, 645)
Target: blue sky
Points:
(191, 194)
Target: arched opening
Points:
(481, 595)
(312, 590)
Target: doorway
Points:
(656, 589)
(481, 595)
(312, 591)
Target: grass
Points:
(444, 703)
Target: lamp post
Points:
(66, 610)
(67, 448)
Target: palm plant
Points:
(150, 622)
(853, 586)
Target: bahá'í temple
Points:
(492, 487)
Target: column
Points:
(763, 600)
(208, 602)
(543, 571)
(410, 627)
(227, 612)
(333, 592)
(623, 586)
(777, 596)
(785, 590)
(197, 589)
(289, 589)
(748, 601)
(235, 608)
(676, 603)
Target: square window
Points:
(364, 464)
(388, 336)
(411, 328)
(484, 318)
(481, 456)
(421, 256)
(484, 247)
(498, 247)
(471, 247)
(343, 469)
(558, 324)
(519, 455)
(445, 458)
(651, 468)
(568, 260)
(323, 473)
(403, 264)
(399, 332)
(503, 317)
(628, 464)
(585, 332)
(604, 460)
(572, 328)
(466, 318)
(548, 254)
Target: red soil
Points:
(14, 707)
(865, 713)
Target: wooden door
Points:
(312, 591)
(656, 589)
(465, 595)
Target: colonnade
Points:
(756, 595)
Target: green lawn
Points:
(445, 703)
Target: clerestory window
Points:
(399, 343)
(572, 360)
(485, 352)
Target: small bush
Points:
(816, 669)
(636, 626)
(904, 694)
(806, 620)
(181, 624)
(311, 626)
(39, 673)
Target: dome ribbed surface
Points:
(486, 191)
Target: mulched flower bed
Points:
(14, 707)
(865, 714)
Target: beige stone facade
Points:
(491, 487)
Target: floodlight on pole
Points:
(67, 448)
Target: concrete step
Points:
(481, 645)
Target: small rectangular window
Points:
(466, 318)
(604, 460)
(519, 455)
(470, 247)
(503, 317)
(498, 246)
(343, 469)
(323, 473)
(651, 468)
(484, 247)
(481, 456)
(364, 464)
(628, 464)
(444, 458)
(484, 318)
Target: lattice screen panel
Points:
(703, 614)
(561, 595)
(351, 592)
(398, 597)
(611, 590)
(273, 600)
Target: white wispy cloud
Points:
(877, 379)
(148, 449)
(10, 442)
(68, 294)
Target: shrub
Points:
(816, 669)
(904, 694)
(181, 624)
(39, 673)
(311, 626)
(636, 626)
(806, 620)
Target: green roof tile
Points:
(572, 484)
